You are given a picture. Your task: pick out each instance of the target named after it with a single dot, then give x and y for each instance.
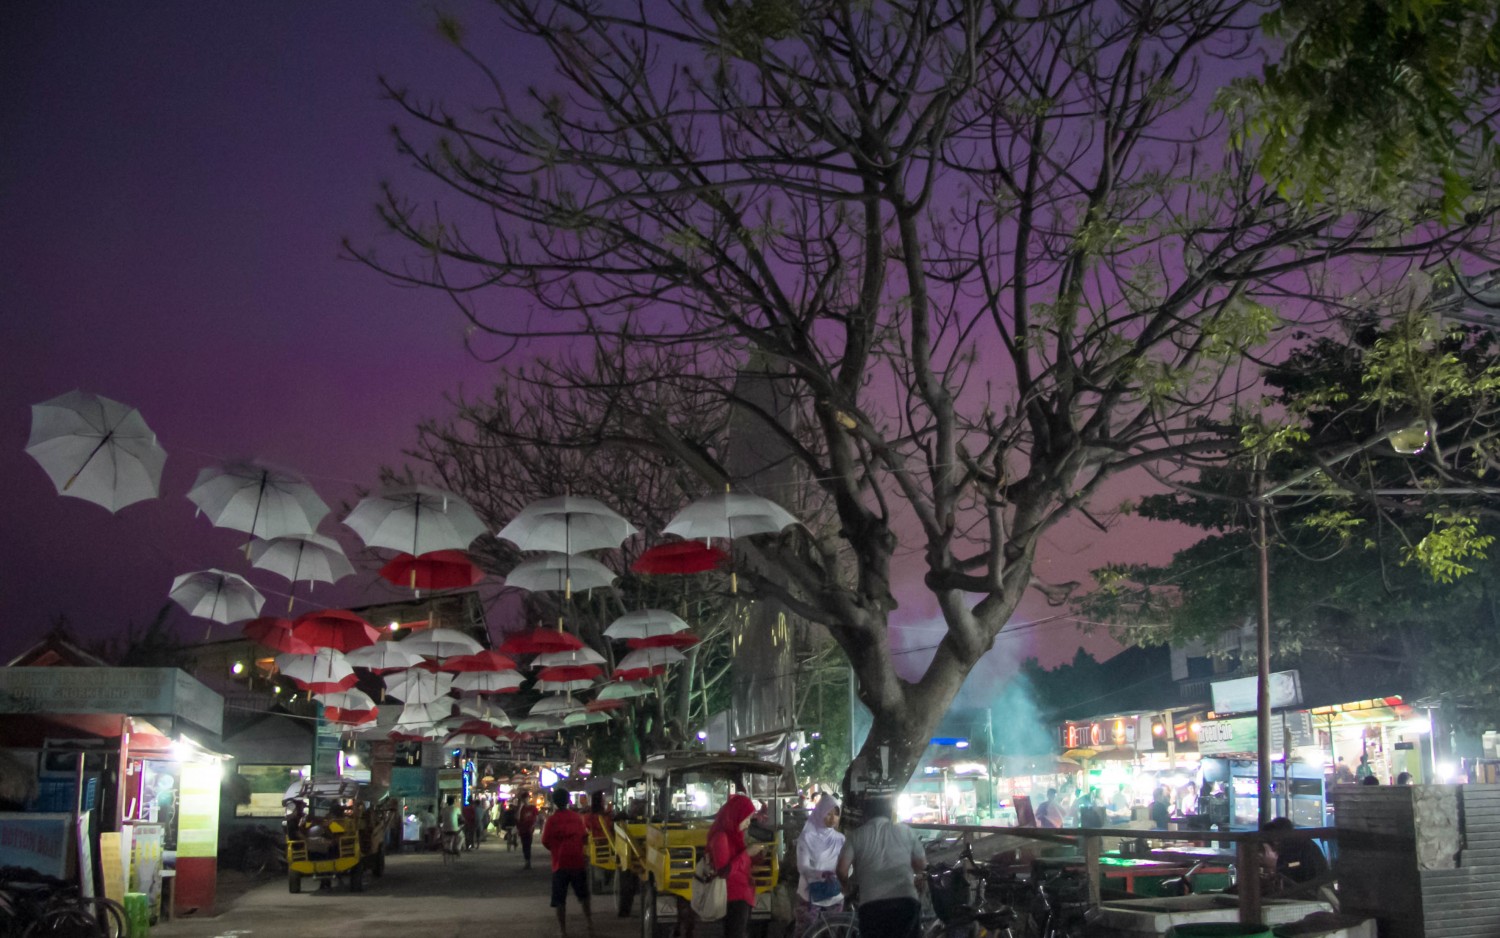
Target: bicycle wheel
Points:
(834, 925)
(66, 921)
(110, 916)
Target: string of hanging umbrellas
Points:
(103, 451)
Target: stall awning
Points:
(170, 698)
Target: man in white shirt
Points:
(883, 860)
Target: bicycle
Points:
(970, 900)
(843, 924)
(36, 905)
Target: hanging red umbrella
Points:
(539, 641)
(681, 557)
(574, 672)
(599, 706)
(639, 674)
(675, 640)
(487, 660)
(434, 570)
(276, 634)
(348, 717)
(335, 628)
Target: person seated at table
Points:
(1050, 813)
(1119, 805)
(1089, 812)
(1161, 808)
(1300, 861)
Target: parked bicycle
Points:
(37, 906)
(970, 900)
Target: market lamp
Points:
(1412, 439)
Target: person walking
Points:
(730, 856)
(881, 862)
(566, 838)
(526, 816)
(452, 824)
(818, 888)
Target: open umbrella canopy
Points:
(680, 557)
(570, 672)
(442, 643)
(623, 690)
(416, 520)
(559, 573)
(646, 623)
(487, 682)
(310, 557)
(576, 657)
(260, 500)
(418, 686)
(539, 724)
(601, 705)
(96, 449)
(677, 640)
(563, 685)
(325, 670)
(217, 595)
(276, 634)
(468, 741)
(649, 658)
(436, 570)
(335, 628)
(555, 705)
(729, 515)
(540, 641)
(638, 672)
(352, 699)
(567, 524)
(383, 656)
(415, 715)
(346, 717)
(486, 660)
(584, 718)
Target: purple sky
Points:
(175, 179)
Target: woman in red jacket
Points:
(731, 858)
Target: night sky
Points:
(175, 180)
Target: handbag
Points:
(823, 890)
(710, 893)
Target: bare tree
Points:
(992, 254)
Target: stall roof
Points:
(170, 697)
(659, 765)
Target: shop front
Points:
(1385, 736)
(125, 762)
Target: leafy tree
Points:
(1379, 561)
(1372, 98)
(989, 256)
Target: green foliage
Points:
(1373, 100)
(1448, 549)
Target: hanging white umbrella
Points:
(566, 685)
(646, 623)
(623, 690)
(96, 449)
(469, 741)
(582, 718)
(560, 573)
(441, 643)
(310, 557)
(263, 501)
(352, 699)
(554, 705)
(418, 686)
(567, 659)
(567, 524)
(217, 595)
(415, 520)
(326, 670)
(383, 656)
(648, 658)
(413, 716)
(729, 515)
(539, 724)
(487, 682)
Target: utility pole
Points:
(1263, 654)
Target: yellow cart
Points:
(335, 829)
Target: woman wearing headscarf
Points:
(817, 864)
(730, 856)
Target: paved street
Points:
(484, 892)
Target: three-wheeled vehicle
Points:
(683, 792)
(334, 827)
